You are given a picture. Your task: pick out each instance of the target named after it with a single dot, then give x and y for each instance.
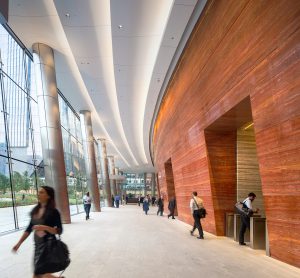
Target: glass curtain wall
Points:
(135, 185)
(21, 162)
(99, 176)
(73, 154)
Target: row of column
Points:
(52, 144)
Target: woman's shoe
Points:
(200, 237)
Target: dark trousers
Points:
(87, 208)
(117, 203)
(197, 224)
(245, 223)
(160, 210)
(172, 212)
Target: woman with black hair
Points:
(45, 222)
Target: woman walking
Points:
(46, 223)
(146, 205)
(87, 203)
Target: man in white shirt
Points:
(245, 220)
(196, 203)
(87, 202)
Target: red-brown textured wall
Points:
(221, 151)
(238, 49)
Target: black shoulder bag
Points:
(54, 257)
(242, 209)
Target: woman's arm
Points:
(50, 230)
(22, 239)
(53, 222)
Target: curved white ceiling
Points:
(111, 58)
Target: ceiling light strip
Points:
(184, 38)
(75, 70)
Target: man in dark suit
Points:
(160, 204)
(171, 207)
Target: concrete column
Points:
(153, 184)
(51, 136)
(90, 159)
(122, 189)
(104, 171)
(111, 164)
(145, 188)
(118, 182)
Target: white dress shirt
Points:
(248, 203)
(193, 205)
(87, 200)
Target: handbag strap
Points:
(196, 202)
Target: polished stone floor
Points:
(126, 243)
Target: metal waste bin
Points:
(229, 222)
(258, 233)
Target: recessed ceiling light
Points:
(120, 26)
(67, 15)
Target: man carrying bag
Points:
(246, 211)
(198, 212)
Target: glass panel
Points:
(16, 82)
(78, 130)
(5, 41)
(66, 143)
(82, 168)
(7, 221)
(71, 119)
(40, 176)
(23, 180)
(75, 156)
(36, 133)
(71, 193)
(3, 146)
(18, 122)
(63, 109)
(32, 84)
(79, 195)
(12, 58)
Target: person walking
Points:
(172, 207)
(87, 203)
(196, 204)
(245, 218)
(46, 223)
(139, 200)
(117, 201)
(146, 205)
(160, 204)
(112, 201)
(153, 199)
